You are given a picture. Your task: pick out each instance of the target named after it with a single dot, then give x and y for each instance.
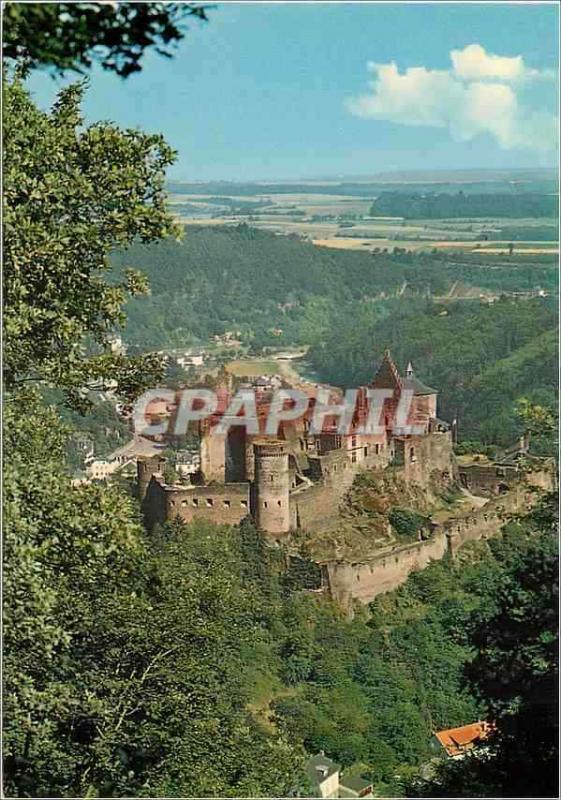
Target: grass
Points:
(252, 369)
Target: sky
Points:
(308, 90)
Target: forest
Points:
(449, 206)
(348, 307)
(481, 357)
(280, 291)
(416, 182)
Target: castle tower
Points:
(145, 469)
(387, 376)
(272, 486)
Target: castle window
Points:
(412, 454)
(243, 503)
(377, 449)
(353, 458)
(184, 503)
(279, 503)
(365, 451)
(195, 501)
(209, 502)
(264, 504)
(226, 503)
(353, 441)
(358, 577)
(272, 478)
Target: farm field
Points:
(344, 221)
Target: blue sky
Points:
(273, 91)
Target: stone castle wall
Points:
(226, 503)
(333, 473)
(316, 505)
(386, 571)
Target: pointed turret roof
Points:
(387, 376)
(414, 384)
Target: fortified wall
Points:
(389, 569)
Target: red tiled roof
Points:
(457, 740)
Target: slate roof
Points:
(418, 387)
(388, 376)
(320, 767)
(355, 783)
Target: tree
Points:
(123, 670)
(515, 674)
(71, 36)
(536, 419)
(71, 569)
(72, 194)
(516, 668)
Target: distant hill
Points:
(451, 181)
(453, 175)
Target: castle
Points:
(297, 481)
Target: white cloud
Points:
(481, 93)
(473, 62)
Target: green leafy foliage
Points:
(123, 669)
(192, 666)
(279, 291)
(64, 36)
(515, 674)
(406, 522)
(72, 194)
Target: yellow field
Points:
(343, 243)
(251, 369)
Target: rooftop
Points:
(320, 767)
(457, 740)
(357, 785)
(388, 376)
(418, 387)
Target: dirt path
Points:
(468, 502)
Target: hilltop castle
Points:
(297, 480)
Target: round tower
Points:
(145, 469)
(272, 486)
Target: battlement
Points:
(387, 569)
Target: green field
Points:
(346, 221)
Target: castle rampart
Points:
(389, 569)
(226, 503)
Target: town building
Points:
(457, 742)
(328, 781)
